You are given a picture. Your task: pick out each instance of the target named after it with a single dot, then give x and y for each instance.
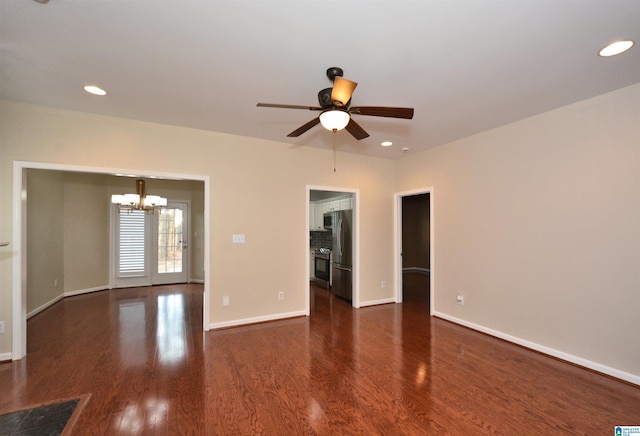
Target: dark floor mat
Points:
(47, 420)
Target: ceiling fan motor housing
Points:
(334, 72)
(324, 98)
(326, 103)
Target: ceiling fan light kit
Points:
(334, 120)
(342, 91)
(335, 111)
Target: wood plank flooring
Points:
(387, 370)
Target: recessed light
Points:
(386, 143)
(92, 89)
(616, 48)
(405, 149)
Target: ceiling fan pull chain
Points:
(334, 150)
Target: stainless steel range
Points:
(322, 267)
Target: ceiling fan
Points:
(335, 109)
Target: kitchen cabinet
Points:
(319, 218)
(331, 206)
(318, 209)
(316, 216)
(336, 205)
(312, 216)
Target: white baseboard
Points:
(622, 375)
(49, 303)
(61, 296)
(377, 302)
(416, 269)
(196, 281)
(86, 291)
(239, 322)
(6, 356)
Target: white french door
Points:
(151, 248)
(170, 249)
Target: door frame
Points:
(19, 267)
(397, 216)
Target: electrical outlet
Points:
(460, 299)
(225, 300)
(281, 295)
(383, 284)
(55, 283)
(1, 326)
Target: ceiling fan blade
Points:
(289, 106)
(355, 129)
(383, 111)
(300, 130)
(342, 91)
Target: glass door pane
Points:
(170, 241)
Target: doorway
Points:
(170, 253)
(151, 248)
(415, 248)
(333, 234)
(20, 238)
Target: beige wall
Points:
(257, 188)
(537, 224)
(86, 231)
(45, 245)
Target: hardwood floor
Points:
(389, 370)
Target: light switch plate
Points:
(237, 239)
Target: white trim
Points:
(416, 269)
(64, 295)
(377, 302)
(19, 270)
(355, 301)
(206, 297)
(397, 246)
(45, 305)
(86, 291)
(307, 257)
(622, 375)
(239, 322)
(5, 356)
(196, 281)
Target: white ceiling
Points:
(465, 66)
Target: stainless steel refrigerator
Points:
(342, 254)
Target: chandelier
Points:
(139, 200)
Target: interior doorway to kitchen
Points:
(415, 248)
(333, 242)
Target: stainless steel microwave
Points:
(328, 221)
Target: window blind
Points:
(131, 243)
